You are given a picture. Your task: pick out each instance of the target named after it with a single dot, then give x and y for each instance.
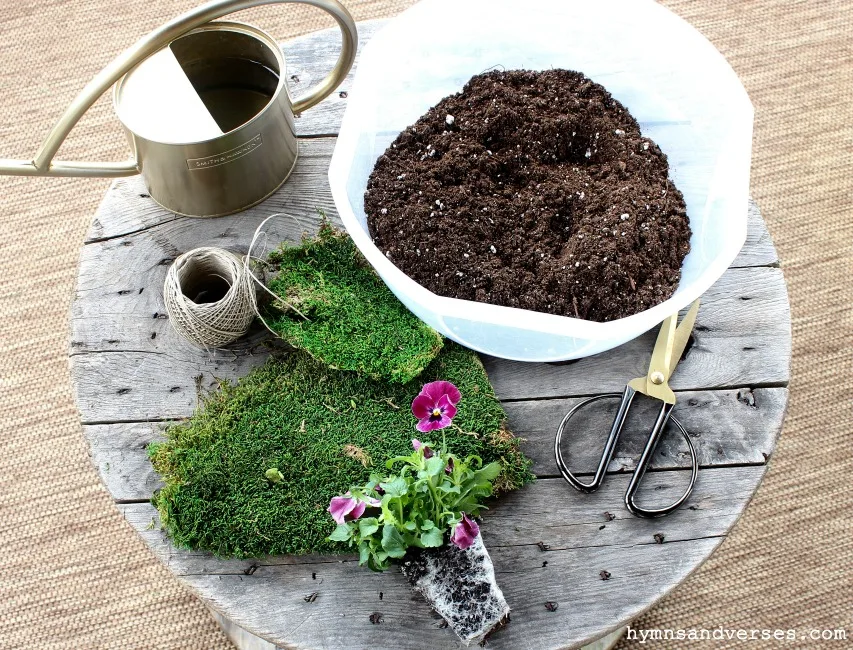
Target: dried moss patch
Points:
(343, 314)
(324, 430)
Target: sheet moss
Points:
(343, 314)
(324, 430)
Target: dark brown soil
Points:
(533, 190)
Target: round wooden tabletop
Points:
(133, 374)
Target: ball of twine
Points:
(210, 296)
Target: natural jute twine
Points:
(209, 324)
(218, 323)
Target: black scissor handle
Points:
(664, 416)
(609, 446)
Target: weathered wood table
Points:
(133, 374)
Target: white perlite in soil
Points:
(460, 586)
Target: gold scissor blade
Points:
(682, 335)
(662, 354)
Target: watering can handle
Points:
(43, 163)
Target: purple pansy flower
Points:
(417, 444)
(465, 532)
(347, 507)
(435, 407)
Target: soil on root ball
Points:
(534, 190)
(460, 586)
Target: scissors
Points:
(671, 341)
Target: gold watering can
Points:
(206, 110)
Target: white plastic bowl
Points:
(675, 83)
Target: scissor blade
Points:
(682, 335)
(662, 354)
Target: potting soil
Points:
(535, 190)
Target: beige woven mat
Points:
(73, 575)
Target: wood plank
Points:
(742, 338)
(120, 454)
(727, 427)
(547, 511)
(758, 250)
(124, 275)
(582, 543)
(119, 369)
(241, 639)
(339, 617)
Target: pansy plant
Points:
(432, 497)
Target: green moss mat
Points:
(324, 430)
(354, 322)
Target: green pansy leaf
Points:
(393, 542)
(342, 533)
(400, 459)
(368, 526)
(488, 473)
(378, 561)
(432, 538)
(411, 539)
(427, 524)
(388, 515)
(435, 465)
(396, 488)
(363, 553)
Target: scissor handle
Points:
(609, 446)
(664, 416)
